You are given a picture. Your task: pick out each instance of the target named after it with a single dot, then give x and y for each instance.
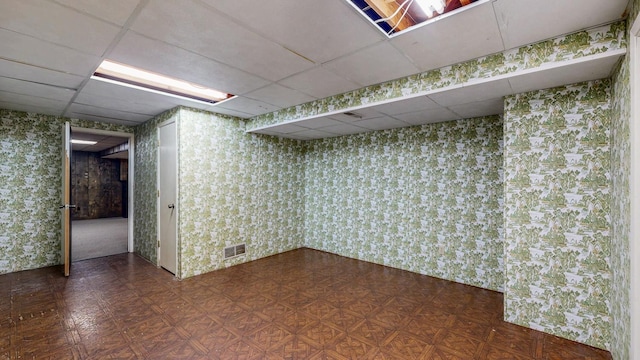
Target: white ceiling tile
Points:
(35, 89)
(381, 123)
(29, 50)
(153, 55)
(101, 88)
(319, 82)
(33, 101)
(269, 132)
(297, 136)
(406, 105)
(318, 123)
(591, 70)
(428, 116)
(229, 112)
(68, 28)
(464, 34)
(197, 28)
(107, 113)
(313, 134)
(114, 11)
(249, 106)
(130, 105)
(17, 70)
(375, 64)
(38, 109)
(482, 108)
(356, 115)
(526, 21)
(472, 93)
(344, 129)
(318, 30)
(105, 119)
(279, 95)
(287, 128)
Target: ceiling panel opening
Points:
(396, 16)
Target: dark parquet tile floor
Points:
(302, 304)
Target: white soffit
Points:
(406, 106)
(472, 99)
(473, 92)
(598, 67)
(482, 108)
(381, 123)
(428, 116)
(526, 21)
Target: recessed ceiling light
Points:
(431, 6)
(397, 16)
(128, 75)
(83, 142)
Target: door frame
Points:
(130, 175)
(158, 204)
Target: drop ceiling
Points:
(271, 54)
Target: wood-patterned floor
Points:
(302, 304)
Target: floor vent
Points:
(233, 251)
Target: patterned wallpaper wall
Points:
(620, 204)
(30, 187)
(145, 227)
(427, 199)
(235, 188)
(578, 45)
(557, 211)
(620, 213)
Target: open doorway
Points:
(100, 191)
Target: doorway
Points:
(100, 174)
(167, 204)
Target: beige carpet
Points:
(98, 237)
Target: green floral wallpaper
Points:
(620, 204)
(427, 199)
(584, 43)
(145, 227)
(30, 187)
(235, 188)
(557, 211)
(620, 213)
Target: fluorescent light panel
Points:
(429, 6)
(129, 75)
(83, 142)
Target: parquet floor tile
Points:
(303, 304)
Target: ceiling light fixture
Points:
(83, 142)
(133, 76)
(429, 6)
